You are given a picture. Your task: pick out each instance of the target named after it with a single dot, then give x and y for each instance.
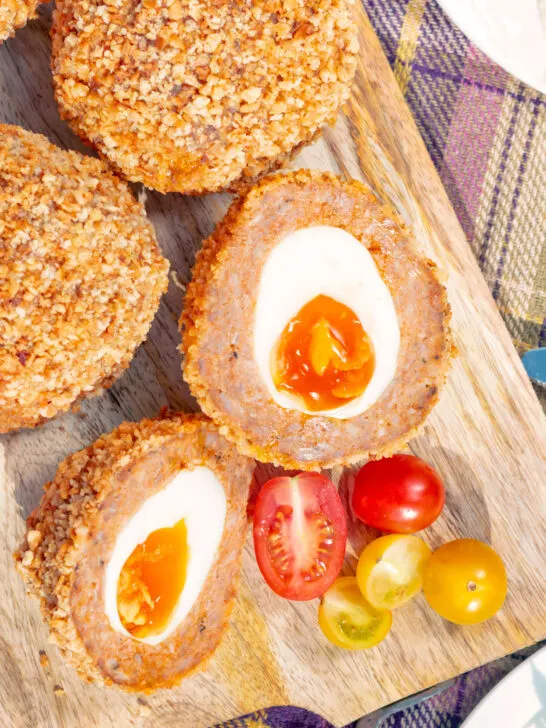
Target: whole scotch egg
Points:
(196, 96)
(313, 332)
(81, 277)
(135, 549)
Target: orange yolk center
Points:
(152, 580)
(323, 356)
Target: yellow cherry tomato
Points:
(390, 570)
(465, 581)
(347, 620)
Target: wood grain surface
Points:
(487, 438)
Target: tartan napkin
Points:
(486, 134)
(446, 710)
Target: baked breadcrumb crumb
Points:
(14, 14)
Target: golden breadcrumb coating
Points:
(14, 14)
(200, 95)
(81, 276)
(218, 324)
(73, 532)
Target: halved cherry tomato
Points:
(347, 620)
(300, 533)
(401, 494)
(465, 581)
(390, 570)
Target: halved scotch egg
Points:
(314, 333)
(135, 548)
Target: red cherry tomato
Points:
(402, 494)
(300, 532)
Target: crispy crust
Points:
(81, 276)
(72, 532)
(14, 14)
(219, 316)
(201, 95)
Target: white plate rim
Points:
(491, 695)
(490, 49)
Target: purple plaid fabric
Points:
(448, 709)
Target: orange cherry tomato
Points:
(465, 581)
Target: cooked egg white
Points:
(330, 261)
(196, 496)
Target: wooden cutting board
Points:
(487, 438)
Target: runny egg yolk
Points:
(323, 356)
(152, 580)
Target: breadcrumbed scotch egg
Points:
(197, 96)
(313, 332)
(81, 277)
(134, 551)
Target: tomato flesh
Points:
(347, 620)
(400, 494)
(300, 533)
(390, 570)
(465, 581)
